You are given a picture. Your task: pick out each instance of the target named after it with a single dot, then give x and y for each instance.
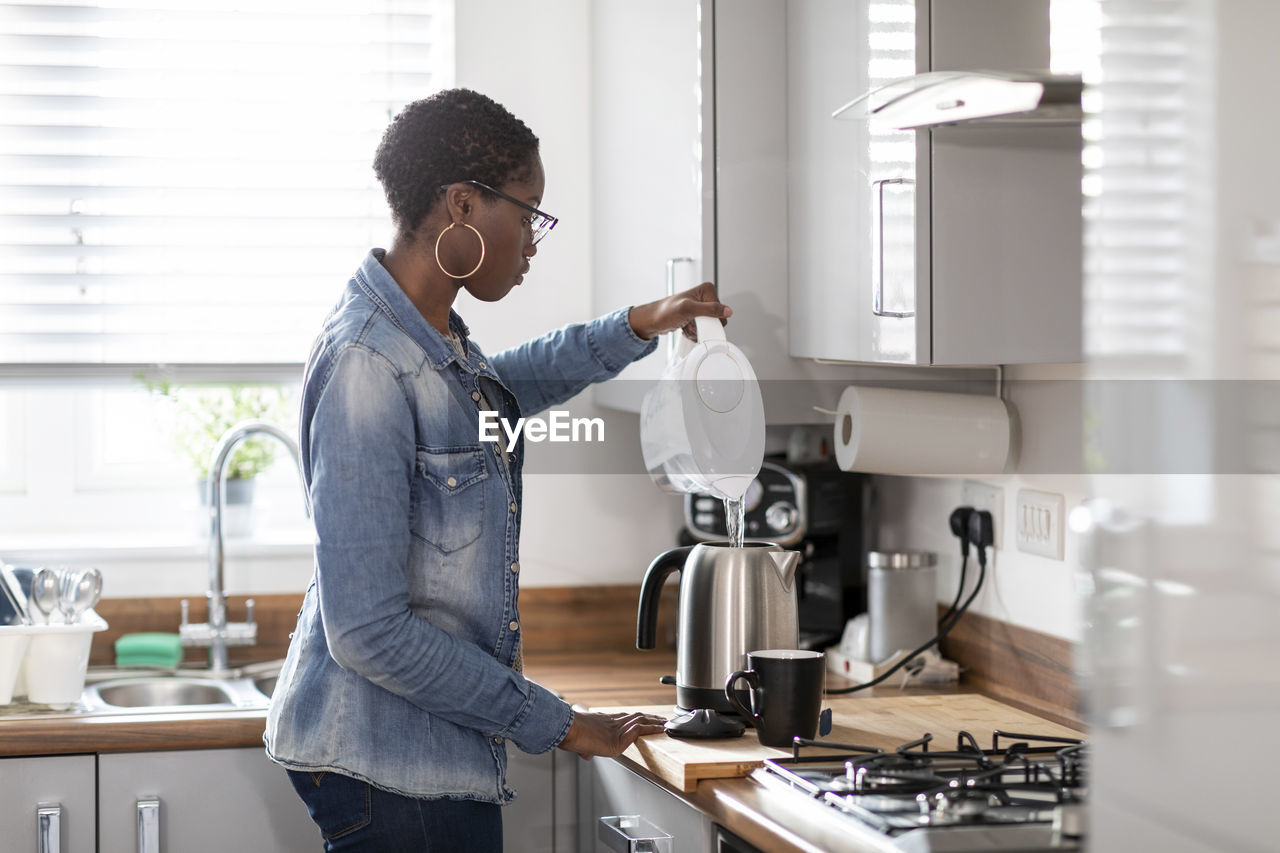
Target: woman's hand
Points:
(678, 312)
(607, 734)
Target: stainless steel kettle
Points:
(732, 601)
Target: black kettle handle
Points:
(650, 591)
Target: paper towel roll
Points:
(920, 433)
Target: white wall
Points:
(1025, 589)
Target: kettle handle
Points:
(709, 329)
(654, 577)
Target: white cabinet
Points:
(199, 800)
(53, 799)
(948, 246)
(647, 164)
(543, 817)
(216, 800)
(690, 160)
(608, 789)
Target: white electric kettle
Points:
(702, 425)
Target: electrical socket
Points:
(988, 497)
(1039, 523)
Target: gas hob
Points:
(1026, 792)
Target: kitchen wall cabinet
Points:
(209, 800)
(948, 246)
(65, 783)
(691, 161)
(727, 153)
(608, 789)
(647, 170)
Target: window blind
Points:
(191, 182)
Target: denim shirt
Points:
(400, 669)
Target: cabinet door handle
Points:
(673, 340)
(633, 834)
(149, 825)
(49, 828)
(877, 249)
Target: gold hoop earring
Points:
(478, 263)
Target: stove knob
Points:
(780, 517)
(1068, 822)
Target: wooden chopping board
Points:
(885, 722)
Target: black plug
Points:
(982, 533)
(960, 527)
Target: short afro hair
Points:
(454, 135)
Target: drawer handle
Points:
(149, 825)
(49, 828)
(633, 834)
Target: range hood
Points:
(985, 98)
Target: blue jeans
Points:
(354, 815)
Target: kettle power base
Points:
(705, 723)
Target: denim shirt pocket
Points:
(449, 500)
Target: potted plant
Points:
(201, 414)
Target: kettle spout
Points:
(785, 563)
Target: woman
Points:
(403, 680)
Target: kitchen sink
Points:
(114, 691)
(123, 691)
(163, 693)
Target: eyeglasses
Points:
(537, 221)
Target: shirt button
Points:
(513, 506)
(452, 481)
(515, 567)
(475, 395)
(498, 741)
(513, 625)
(483, 365)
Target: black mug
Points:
(785, 699)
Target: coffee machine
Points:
(818, 510)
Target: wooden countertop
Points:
(590, 679)
(584, 678)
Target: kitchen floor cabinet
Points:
(211, 800)
(62, 784)
(608, 789)
(237, 799)
(543, 816)
(215, 800)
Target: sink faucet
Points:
(217, 633)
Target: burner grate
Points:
(1021, 780)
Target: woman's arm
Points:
(555, 367)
